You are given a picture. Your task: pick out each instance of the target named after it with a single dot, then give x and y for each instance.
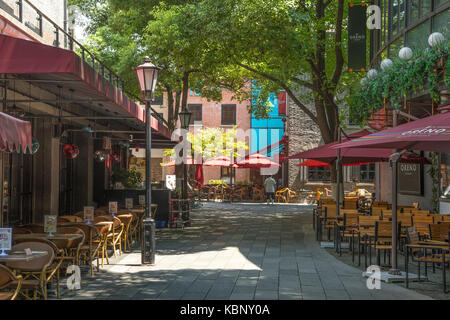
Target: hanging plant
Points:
(401, 78)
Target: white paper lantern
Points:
(435, 39)
(372, 73)
(386, 63)
(363, 80)
(405, 53)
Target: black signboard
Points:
(410, 178)
(357, 37)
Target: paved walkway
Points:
(236, 251)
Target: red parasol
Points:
(427, 134)
(257, 160)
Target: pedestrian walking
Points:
(269, 185)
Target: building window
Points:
(319, 174)
(367, 172)
(418, 37)
(196, 110)
(228, 114)
(441, 23)
(445, 175)
(158, 100)
(226, 173)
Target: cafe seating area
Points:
(38, 259)
(422, 236)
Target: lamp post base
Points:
(395, 272)
(148, 242)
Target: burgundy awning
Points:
(427, 134)
(15, 134)
(33, 60)
(315, 163)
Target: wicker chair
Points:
(8, 280)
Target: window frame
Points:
(234, 114)
(198, 110)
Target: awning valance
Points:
(15, 134)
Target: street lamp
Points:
(185, 120)
(147, 74)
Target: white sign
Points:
(113, 208)
(49, 224)
(171, 182)
(88, 213)
(129, 203)
(5, 240)
(142, 200)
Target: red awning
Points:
(15, 134)
(38, 61)
(427, 134)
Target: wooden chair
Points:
(90, 249)
(257, 194)
(280, 195)
(20, 230)
(382, 240)
(350, 203)
(126, 219)
(438, 232)
(104, 230)
(72, 248)
(114, 237)
(327, 220)
(445, 218)
(34, 228)
(422, 222)
(9, 281)
(377, 211)
(238, 194)
(37, 272)
(71, 218)
(347, 229)
(366, 229)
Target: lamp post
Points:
(284, 153)
(185, 120)
(147, 74)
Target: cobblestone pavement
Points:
(236, 251)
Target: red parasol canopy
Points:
(427, 134)
(315, 163)
(221, 161)
(328, 153)
(15, 134)
(257, 160)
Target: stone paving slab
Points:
(234, 252)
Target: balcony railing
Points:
(50, 32)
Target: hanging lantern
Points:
(34, 145)
(435, 39)
(372, 73)
(137, 149)
(405, 53)
(71, 151)
(385, 64)
(99, 156)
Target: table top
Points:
(55, 236)
(21, 256)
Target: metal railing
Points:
(50, 32)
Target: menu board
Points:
(142, 200)
(129, 203)
(113, 208)
(49, 223)
(5, 239)
(410, 178)
(88, 213)
(171, 182)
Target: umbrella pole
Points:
(339, 174)
(394, 164)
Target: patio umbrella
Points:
(221, 161)
(257, 160)
(199, 178)
(427, 134)
(315, 163)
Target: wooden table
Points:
(16, 256)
